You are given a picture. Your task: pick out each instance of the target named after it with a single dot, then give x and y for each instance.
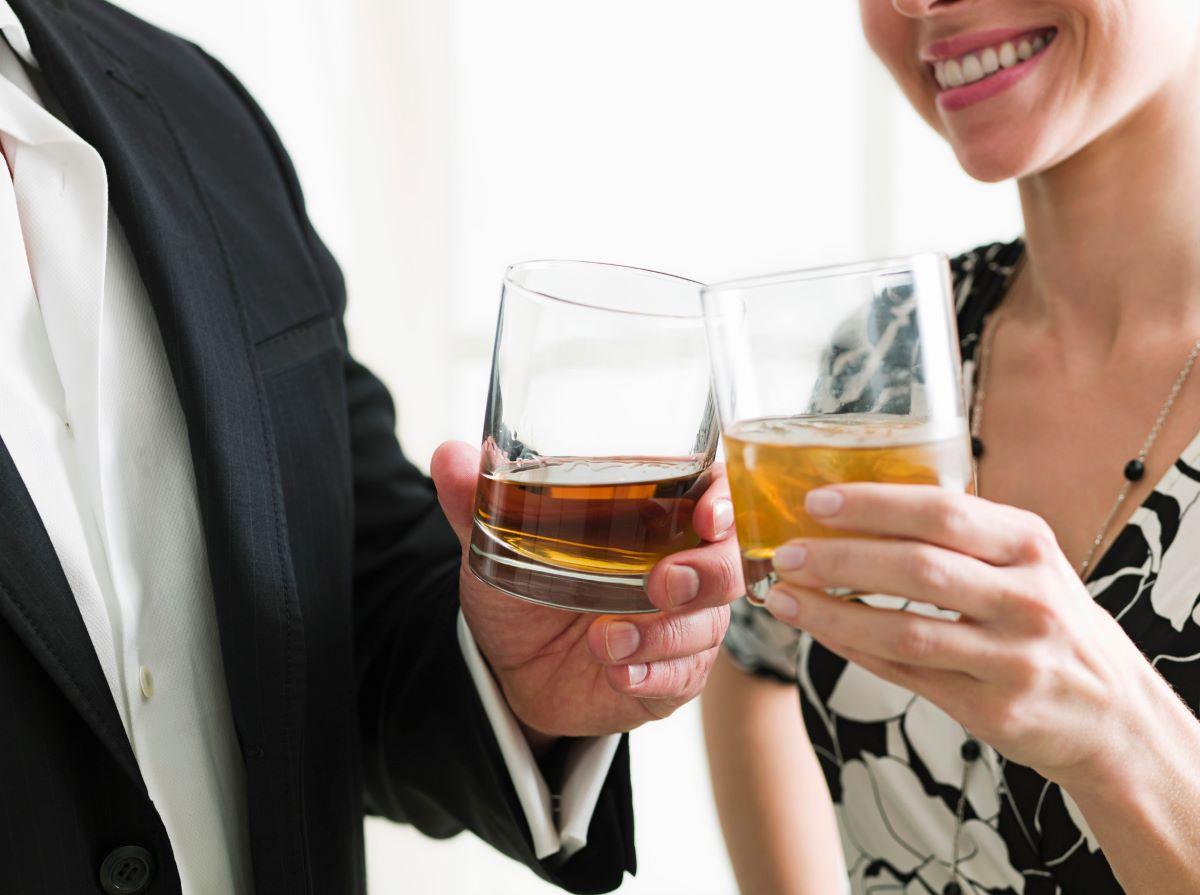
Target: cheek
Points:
(887, 32)
(893, 39)
(1125, 59)
(1166, 40)
(1130, 49)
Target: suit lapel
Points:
(154, 190)
(37, 602)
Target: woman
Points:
(1046, 742)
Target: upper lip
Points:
(960, 45)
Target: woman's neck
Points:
(1114, 232)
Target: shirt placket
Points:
(51, 190)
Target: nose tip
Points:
(919, 8)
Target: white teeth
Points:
(972, 67)
(972, 70)
(954, 75)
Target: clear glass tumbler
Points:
(599, 436)
(843, 374)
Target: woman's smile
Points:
(973, 67)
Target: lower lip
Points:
(958, 98)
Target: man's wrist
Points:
(539, 741)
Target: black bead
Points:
(976, 447)
(970, 751)
(952, 889)
(1134, 470)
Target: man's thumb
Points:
(455, 470)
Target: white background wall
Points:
(440, 140)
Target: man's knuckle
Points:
(714, 624)
(693, 678)
(672, 679)
(720, 622)
(728, 574)
(673, 635)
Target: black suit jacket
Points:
(334, 572)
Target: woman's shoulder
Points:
(981, 278)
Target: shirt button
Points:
(952, 889)
(971, 751)
(146, 682)
(127, 871)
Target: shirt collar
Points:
(14, 32)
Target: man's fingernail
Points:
(637, 673)
(790, 557)
(683, 585)
(621, 639)
(782, 606)
(722, 516)
(823, 502)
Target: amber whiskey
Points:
(774, 463)
(606, 516)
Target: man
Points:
(233, 617)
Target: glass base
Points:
(496, 564)
(760, 578)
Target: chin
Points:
(998, 157)
(989, 165)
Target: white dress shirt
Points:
(90, 416)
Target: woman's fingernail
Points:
(790, 557)
(621, 639)
(683, 585)
(722, 516)
(782, 606)
(823, 502)
(637, 673)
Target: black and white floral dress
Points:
(896, 764)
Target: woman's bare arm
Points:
(772, 799)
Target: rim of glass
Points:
(829, 272)
(542, 264)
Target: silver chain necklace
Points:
(1135, 469)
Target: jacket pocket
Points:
(297, 345)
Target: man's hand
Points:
(576, 674)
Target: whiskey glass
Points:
(841, 374)
(599, 435)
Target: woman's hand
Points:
(1032, 666)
